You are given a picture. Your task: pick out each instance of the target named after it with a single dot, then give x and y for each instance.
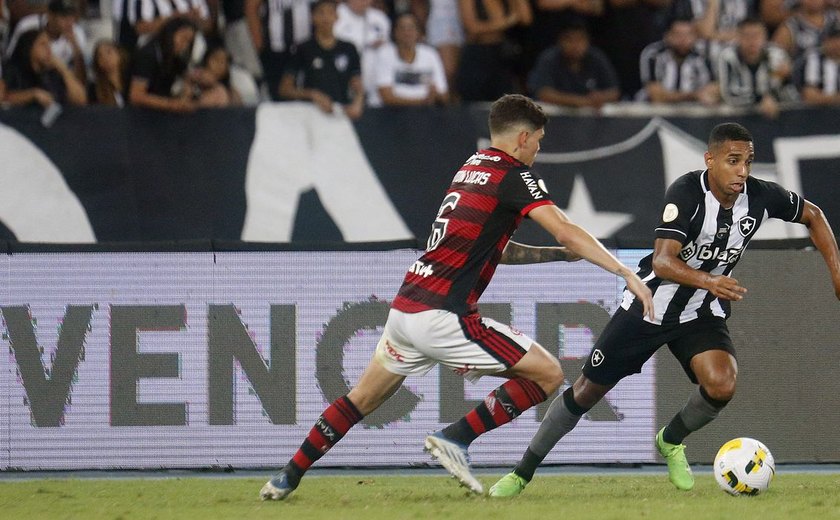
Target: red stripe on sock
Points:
(475, 423)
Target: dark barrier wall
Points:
(787, 334)
(287, 173)
(200, 359)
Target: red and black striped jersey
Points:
(484, 205)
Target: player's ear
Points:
(708, 158)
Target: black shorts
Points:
(628, 342)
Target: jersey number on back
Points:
(440, 224)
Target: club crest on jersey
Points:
(746, 226)
(597, 357)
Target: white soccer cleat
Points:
(454, 458)
(277, 488)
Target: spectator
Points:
(672, 71)
(552, 16)
(67, 39)
(804, 30)
(213, 78)
(774, 12)
(366, 27)
(2, 86)
(753, 72)
(18, 9)
(818, 70)
(110, 70)
(238, 38)
(324, 69)
(445, 32)
(408, 73)
(485, 71)
(573, 73)
(34, 75)
(716, 20)
(622, 31)
(138, 21)
(159, 64)
(277, 27)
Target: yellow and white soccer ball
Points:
(744, 466)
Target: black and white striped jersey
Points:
(713, 239)
(658, 64)
(743, 84)
(807, 36)
(817, 70)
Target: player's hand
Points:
(642, 292)
(727, 288)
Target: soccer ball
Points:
(744, 466)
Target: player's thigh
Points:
(471, 346)
(624, 346)
(540, 366)
(705, 350)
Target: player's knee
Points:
(553, 377)
(720, 389)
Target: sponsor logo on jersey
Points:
(722, 231)
(476, 158)
(532, 185)
(422, 269)
(688, 251)
(467, 177)
(746, 226)
(727, 256)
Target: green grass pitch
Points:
(372, 497)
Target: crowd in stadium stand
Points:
(180, 55)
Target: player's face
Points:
(729, 165)
(531, 146)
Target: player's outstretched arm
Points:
(516, 253)
(668, 266)
(580, 242)
(823, 238)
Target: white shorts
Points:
(471, 346)
(444, 29)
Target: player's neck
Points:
(509, 148)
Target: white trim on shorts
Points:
(472, 346)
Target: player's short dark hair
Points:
(512, 110)
(728, 132)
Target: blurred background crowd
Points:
(180, 55)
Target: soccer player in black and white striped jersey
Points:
(672, 70)
(708, 219)
(818, 72)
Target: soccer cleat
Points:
(277, 488)
(454, 458)
(679, 472)
(508, 486)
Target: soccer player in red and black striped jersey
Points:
(434, 318)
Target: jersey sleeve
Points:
(523, 190)
(783, 204)
(681, 201)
